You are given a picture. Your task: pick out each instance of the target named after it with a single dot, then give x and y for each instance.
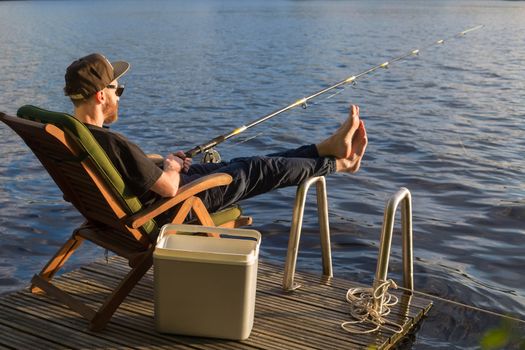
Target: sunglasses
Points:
(119, 89)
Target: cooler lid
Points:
(236, 246)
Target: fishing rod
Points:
(212, 155)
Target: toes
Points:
(359, 143)
(362, 139)
(354, 116)
(359, 140)
(354, 111)
(363, 144)
(341, 143)
(352, 123)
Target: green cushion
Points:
(87, 143)
(226, 215)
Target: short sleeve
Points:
(137, 170)
(135, 167)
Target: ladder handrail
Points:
(295, 231)
(401, 196)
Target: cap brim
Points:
(119, 68)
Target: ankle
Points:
(339, 166)
(323, 149)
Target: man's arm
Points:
(168, 183)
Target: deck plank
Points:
(308, 318)
(264, 299)
(28, 320)
(341, 307)
(20, 339)
(117, 336)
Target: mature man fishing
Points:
(92, 85)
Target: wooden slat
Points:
(269, 274)
(18, 339)
(333, 290)
(308, 334)
(337, 300)
(47, 311)
(119, 242)
(308, 318)
(315, 324)
(132, 313)
(29, 321)
(332, 299)
(291, 319)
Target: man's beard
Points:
(110, 112)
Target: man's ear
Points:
(99, 96)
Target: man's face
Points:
(110, 107)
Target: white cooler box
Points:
(205, 286)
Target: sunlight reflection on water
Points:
(447, 125)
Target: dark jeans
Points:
(261, 174)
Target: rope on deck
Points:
(369, 305)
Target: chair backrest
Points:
(80, 167)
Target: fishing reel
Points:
(211, 156)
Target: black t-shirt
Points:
(136, 169)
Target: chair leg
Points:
(57, 261)
(64, 297)
(111, 304)
(239, 222)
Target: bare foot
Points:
(339, 144)
(352, 163)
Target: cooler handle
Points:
(209, 229)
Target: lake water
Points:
(448, 125)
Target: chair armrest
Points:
(184, 192)
(157, 159)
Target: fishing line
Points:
(370, 91)
(304, 101)
(248, 138)
(328, 97)
(464, 305)
(236, 143)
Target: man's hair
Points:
(77, 102)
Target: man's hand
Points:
(173, 163)
(186, 162)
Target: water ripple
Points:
(447, 124)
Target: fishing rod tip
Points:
(471, 30)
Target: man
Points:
(92, 85)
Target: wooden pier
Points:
(308, 318)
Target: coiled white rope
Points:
(368, 305)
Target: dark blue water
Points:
(448, 125)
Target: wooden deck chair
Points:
(115, 218)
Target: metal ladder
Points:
(401, 196)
